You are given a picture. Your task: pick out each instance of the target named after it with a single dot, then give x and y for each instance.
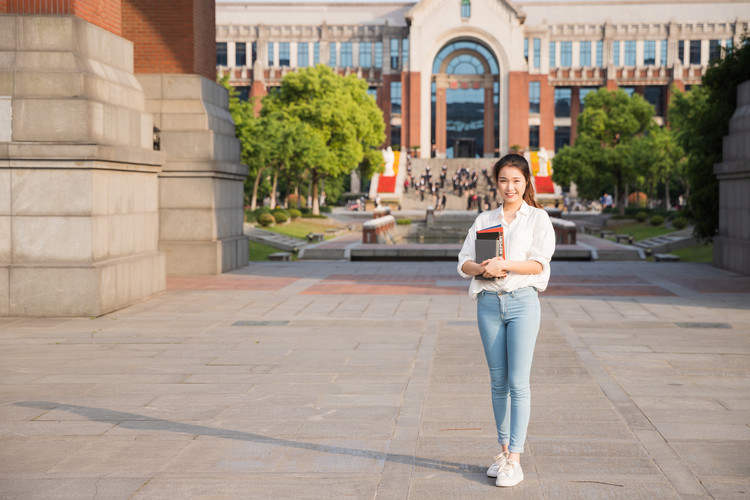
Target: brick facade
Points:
(106, 14)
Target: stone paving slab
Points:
(337, 379)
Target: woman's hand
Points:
(495, 268)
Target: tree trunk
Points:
(296, 194)
(254, 201)
(315, 203)
(666, 192)
(273, 189)
(618, 189)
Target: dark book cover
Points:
(489, 243)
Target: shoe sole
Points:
(509, 485)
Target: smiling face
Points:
(511, 184)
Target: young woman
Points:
(508, 313)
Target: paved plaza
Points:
(367, 380)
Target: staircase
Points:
(411, 200)
(668, 242)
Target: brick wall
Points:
(176, 36)
(106, 14)
(518, 113)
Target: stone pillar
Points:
(518, 112)
(489, 122)
(201, 186)
(78, 174)
(732, 245)
(410, 119)
(441, 112)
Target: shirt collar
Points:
(525, 209)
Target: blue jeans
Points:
(508, 324)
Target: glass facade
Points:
(284, 54)
(695, 51)
(562, 137)
(534, 136)
(396, 98)
(663, 52)
(599, 53)
(649, 52)
(681, 51)
(616, 53)
(654, 94)
(221, 54)
(378, 54)
(585, 54)
(346, 55)
(628, 90)
(240, 54)
(552, 54)
(316, 53)
(395, 60)
(534, 97)
(714, 50)
(563, 97)
(582, 93)
(630, 53)
(465, 8)
(405, 52)
(332, 55)
(566, 54)
(270, 54)
(365, 54)
(303, 54)
(537, 53)
(526, 48)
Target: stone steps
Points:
(280, 241)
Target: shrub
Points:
(261, 210)
(292, 200)
(679, 223)
(326, 209)
(280, 217)
(311, 216)
(403, 222)
(641, 216)
(266, 219)
(249, 216)
(294, 213)
(656, 220)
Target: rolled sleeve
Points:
(543, 246)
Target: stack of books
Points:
(489, 244)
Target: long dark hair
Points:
(519, 162)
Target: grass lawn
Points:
(697, 253)
(259, 251)
(639, 230)
(298, 228)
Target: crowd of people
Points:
(478, 190)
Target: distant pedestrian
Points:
(508, 310)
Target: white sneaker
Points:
(498, 464)
(510, 475)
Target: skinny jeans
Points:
(509, 324)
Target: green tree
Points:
(340, 117)
(701, 119)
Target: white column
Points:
(231, 54)
(639, 52)
(575, 60)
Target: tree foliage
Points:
(601, 156)
(700, 118)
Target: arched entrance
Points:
(465, 96)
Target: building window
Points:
(537, 53)
(243, 93)
(394, 54)
(562, 137)
(365, 54)
(663, 52)
(599, 53)
(629, 52)
(316, 53)
(332, 55)
(628, 90)
(562, 101)
(566, 54)
(526, 48)
(654, 94)
(405, 52)
(585, 54)
(270, 54)
(378, 54)
(395, 98)
(729, 43)
(221, 54)
(616, 52)
(303, 56)
(582, 93)
(695, 51)
(240, 54)
(552, 51)
(714, 50)
(681, 51)
(534, 137)
(396, 136)
(284, 54)
(649, 53)
(534, 96)
(465, 9)
(373, 91)
(346, 55)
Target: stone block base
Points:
(82, 290)
(205, 257)
(732, 254)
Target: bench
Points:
(315, 237)
(666, 257)
(280, 256)
(605, 232)
(591, 229)
(626, 237)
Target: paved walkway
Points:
(367, 380)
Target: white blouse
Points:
(529, 237)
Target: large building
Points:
(473, 78)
